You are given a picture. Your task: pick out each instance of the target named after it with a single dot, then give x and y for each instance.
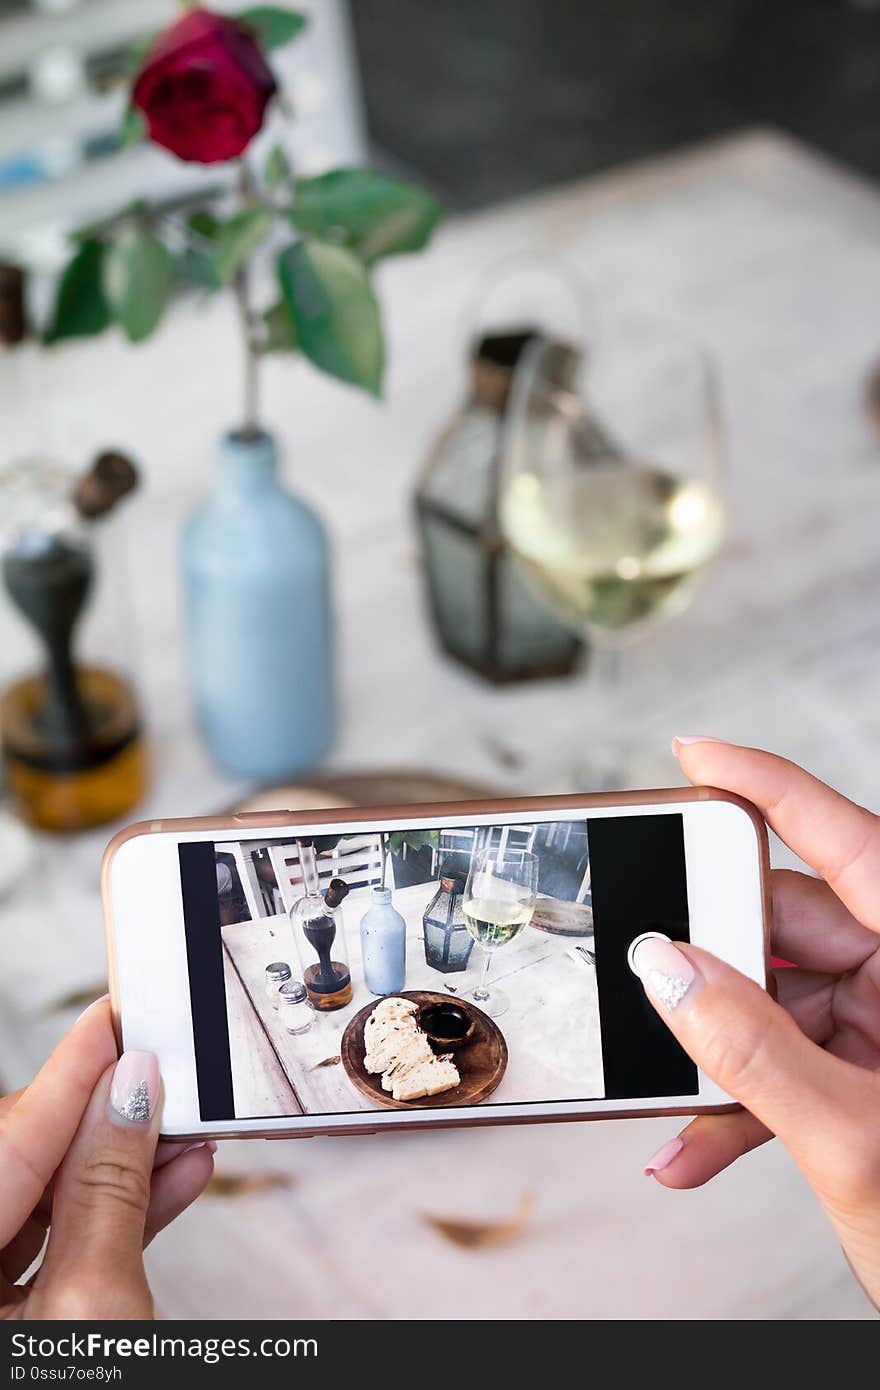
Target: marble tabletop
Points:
(769, 254)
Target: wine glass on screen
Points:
(499, 899)
(611, 499)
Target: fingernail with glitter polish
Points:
(664, 1156)
(681, 740)
(134, 1090)
(667, 974)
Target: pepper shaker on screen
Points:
(294, 1007)
(277, 975)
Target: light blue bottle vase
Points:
(257, 578)
(383, 945)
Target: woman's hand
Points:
(808, 1067)
(78, 1157)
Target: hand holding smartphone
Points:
(346, 972)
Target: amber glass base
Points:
(74, 788)
(327, 1001)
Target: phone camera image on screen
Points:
(432, 968)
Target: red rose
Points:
(203, 88)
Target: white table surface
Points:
(551, 1026)
(772, 256)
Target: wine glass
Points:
(499, 899)
(611, 499)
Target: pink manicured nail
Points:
(135, 1088)
(202, 1144)
(683, 739)
(664, 1156)
(665, 972)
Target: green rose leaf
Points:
(137, 54)
(335, 312)
(237, 238)
(277, 169)
(196, 264)
(133, 128)
(373, 215)
(98, 230)
(271, 26)
(204, 224)
(81, 307)
(137, 279)
(193, 268)
(280, 330)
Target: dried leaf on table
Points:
(327, 1062)
(476, 1235)
(77, 998)
(247, 1184)
(503, 755)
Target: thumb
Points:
(755, 1051)
(94, 1260)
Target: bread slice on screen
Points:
(390, 1017)
(398, 1049)
(413, 1051)
(426, 1079)
(389, 1043)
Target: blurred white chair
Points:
(357, 859)
(60, 112)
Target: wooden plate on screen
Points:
(481, 1062)
(560, 918)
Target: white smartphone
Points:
(351, 971)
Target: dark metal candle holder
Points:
(484, 613)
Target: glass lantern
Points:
(319, 936)
(448, 943)
(70, 724)
(484, 613)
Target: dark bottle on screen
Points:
(319, 935)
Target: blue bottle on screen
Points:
(383, 945)
(257, 578)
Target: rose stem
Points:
(241, 288)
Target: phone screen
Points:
(428, 969)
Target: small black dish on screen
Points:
(447, 1026)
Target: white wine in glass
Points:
(611, 500)
(494, 922)
(498, 903)
(615, 545)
